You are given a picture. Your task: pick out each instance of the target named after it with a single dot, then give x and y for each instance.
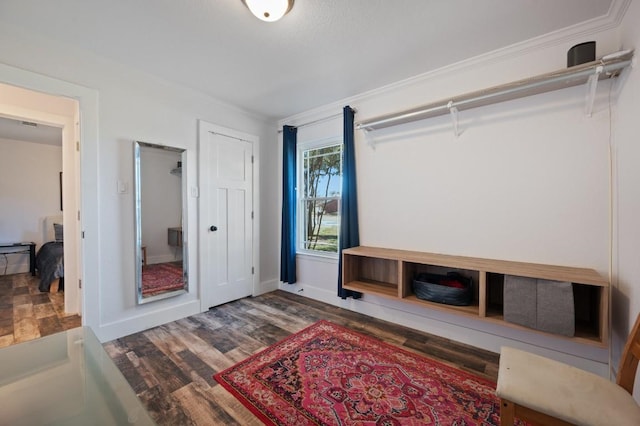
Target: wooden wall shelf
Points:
(389, 273)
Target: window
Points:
(320, 178)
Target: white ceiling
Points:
(20, 131)
(321, 52)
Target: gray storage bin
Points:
(544, 305)
(519, 302)
(555, 308)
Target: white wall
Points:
(626, 265)
(29, 192)
(131, 106)
(526, 180)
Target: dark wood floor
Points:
(26, 313)
(171, 367)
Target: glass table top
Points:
(66, 379)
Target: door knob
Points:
(213, 228)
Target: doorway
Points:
(48, 111)
(228, 247)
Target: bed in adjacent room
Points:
(50, 257)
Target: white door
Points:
(226, 205)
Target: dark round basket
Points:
(428, 287)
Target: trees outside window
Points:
(319, 215)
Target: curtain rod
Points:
(606, 67)
(319, 120)
(228, 136)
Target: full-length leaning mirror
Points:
(160, 211)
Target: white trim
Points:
(267, 287)
(301, 199)
(319, 257)
(89, 172)
(320, 143)
(574, 33)
(311, 254)
(147, 320)
(435, 322)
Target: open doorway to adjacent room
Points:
(40, 262)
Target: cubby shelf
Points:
(389, 273)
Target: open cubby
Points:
(495, 295)
(375, 275)
(390, 273)
(411, 269)
(587, 301)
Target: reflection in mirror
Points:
(160, 207)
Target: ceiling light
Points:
(269, 10)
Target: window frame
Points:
(301, 199)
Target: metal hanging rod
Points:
(608, 66)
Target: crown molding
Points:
(611, 20)
(617, 10)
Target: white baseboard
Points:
(472, 332)
(266, 287)
(125, 327)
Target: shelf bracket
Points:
(453, 111)
(369, 138)
(592, 85)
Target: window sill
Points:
(324, 258)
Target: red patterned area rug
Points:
(161, 277)
(329, 375)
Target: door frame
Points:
(88, 201)
(204, 128)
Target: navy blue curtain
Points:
(288, 244)
(349, 234)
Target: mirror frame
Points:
(137, 146)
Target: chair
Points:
(546, 392)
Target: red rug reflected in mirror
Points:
(329, 375)
(161, 277)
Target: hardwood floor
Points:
(171, 367)
(26, 313)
